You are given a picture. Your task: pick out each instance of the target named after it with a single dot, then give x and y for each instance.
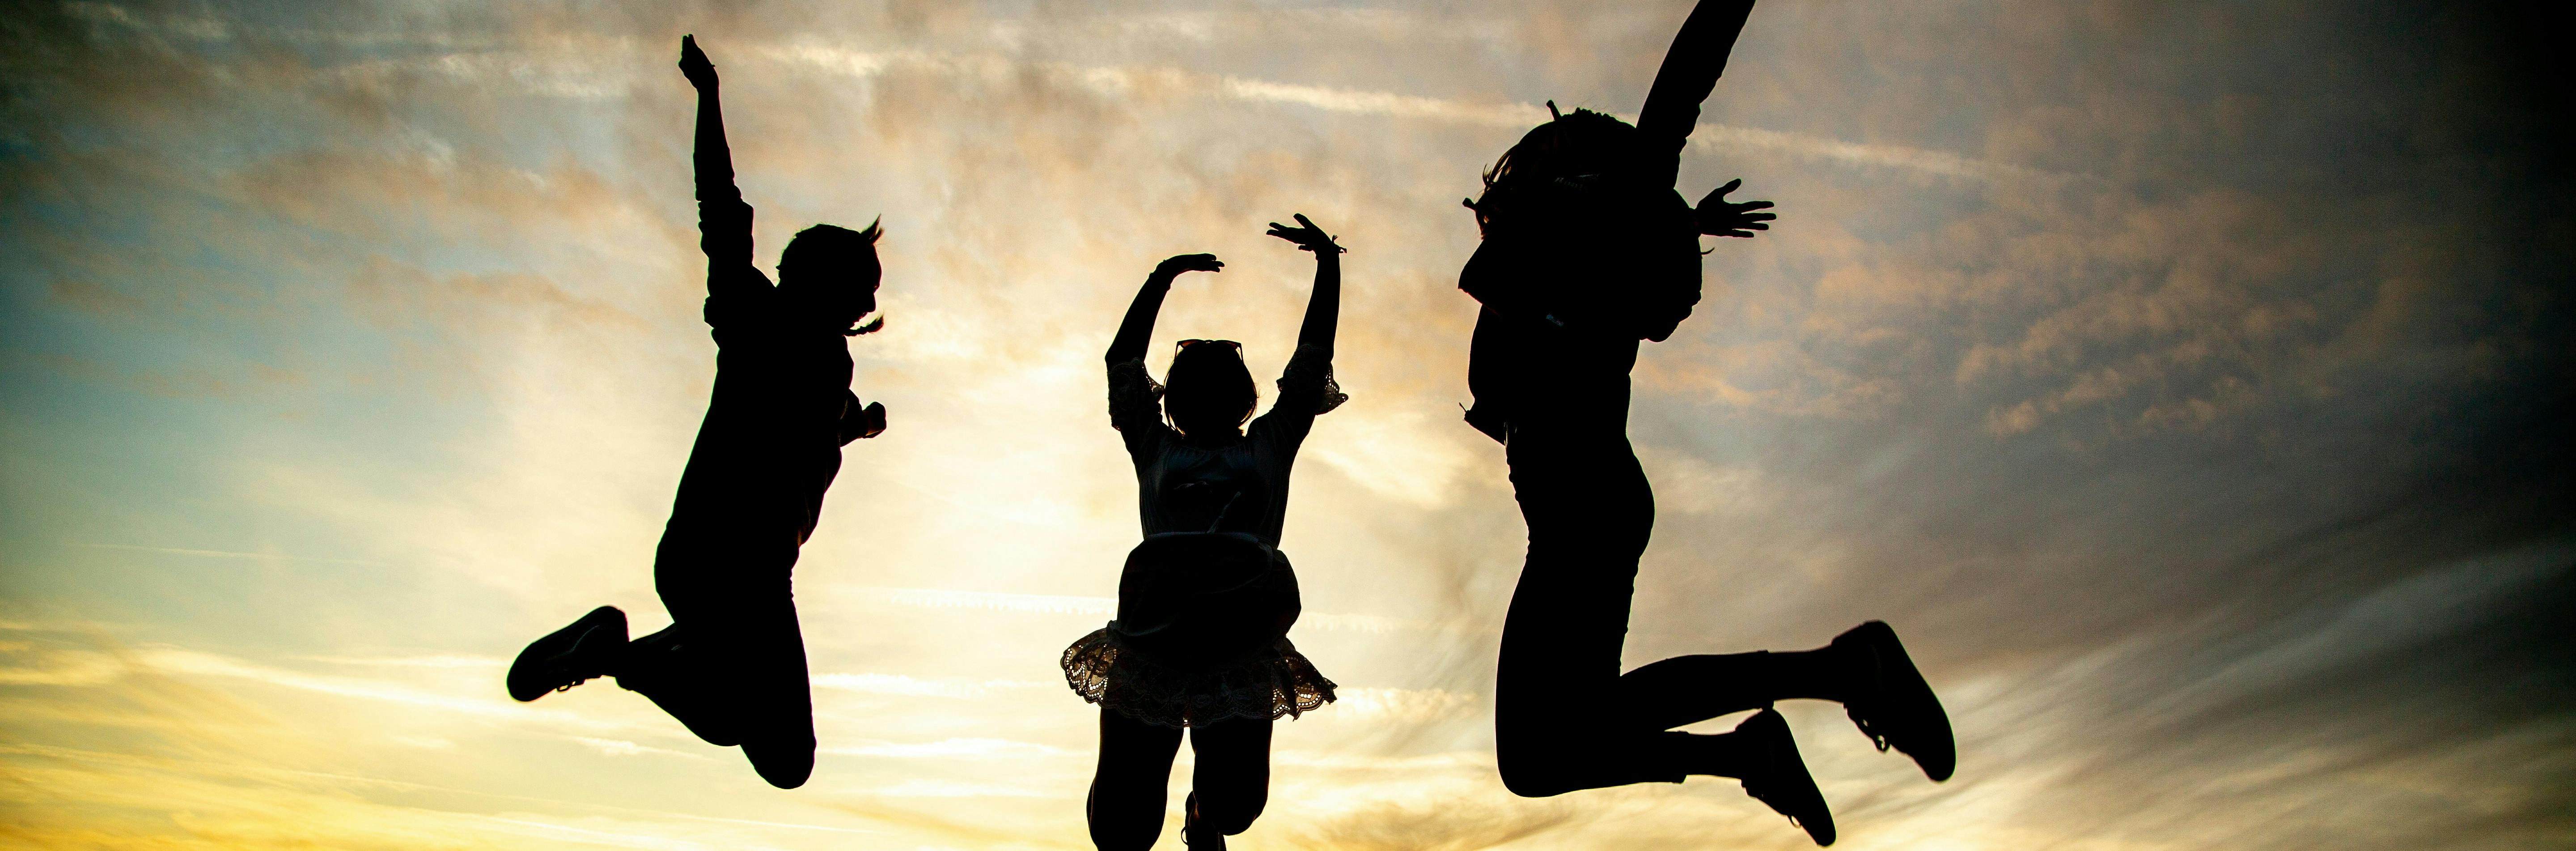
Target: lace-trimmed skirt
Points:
(1201, 636)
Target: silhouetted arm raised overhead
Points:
(724, 221)
(1306, 389)
(1135, 401)
(1690, 71)
(1324, 308)
(1138, 328)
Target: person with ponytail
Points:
(1587, 250)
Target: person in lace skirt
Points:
(1204, 603)
(1587, 250)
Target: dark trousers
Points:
(1231, 783)
(731, 667)
(1565, 717)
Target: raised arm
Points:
(1690, 71)
(1138, 328)
(1306, 387)
(1324, 308)
(724, 221)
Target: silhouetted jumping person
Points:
(1587, 250)
(1204, 604)
(731, 667)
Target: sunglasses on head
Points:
(1237, 347)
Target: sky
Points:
(2178, 379)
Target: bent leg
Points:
(1125, 808)
(778, 697)
(1689, 689)
(1557, 723)
(743, 683)
(1232, 781)
(682, 676)
(732, 666)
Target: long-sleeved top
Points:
(781, 410)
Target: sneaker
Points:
(1894, 706)
(569, 656)
(1779, 777)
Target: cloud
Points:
(1044, 603)
(223, 554)
(1402, 706)
(1445, 828)
(96, 299)
(621, 747)
(898, 684)
(1176, 82)
(948, 789)
(970, 748)
(2179, 381)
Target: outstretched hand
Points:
(694, 64)
(1718, 217)
(862, 423)
(1172, 268)
(1306, 235)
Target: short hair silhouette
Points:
(1208, 387)
(825, 264)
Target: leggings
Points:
(1230, 785)
(1565, 718)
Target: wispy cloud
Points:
(949, 789)
(1169, 82)
(908, 686)
(622, 747)
(182, 661)
(233, 554)
(2206, 467)
(969, 748)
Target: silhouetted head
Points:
(1208, 392)
(1571, 146)
(831, 273)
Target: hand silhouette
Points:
(1172, 268)
(871, 420)
(1718, 217)
(694, 64)
(1307, 236)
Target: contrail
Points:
(1117, 81)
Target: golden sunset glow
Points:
(2176, 380)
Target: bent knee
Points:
(784, 765)
(1530, 784)
(1532, 773)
